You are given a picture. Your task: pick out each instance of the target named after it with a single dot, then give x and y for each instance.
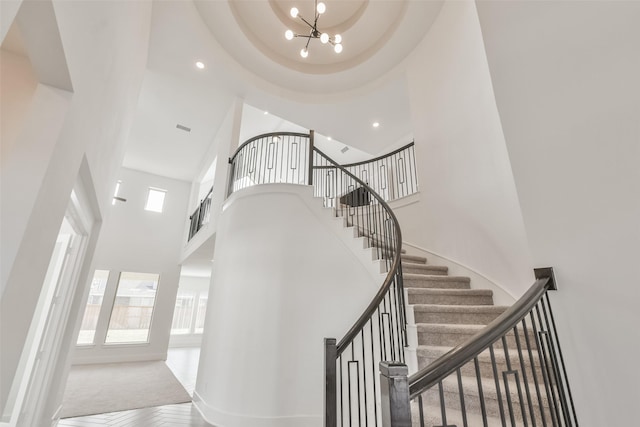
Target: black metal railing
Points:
(201, 215)
(512, 373)
(392, 175)
(352, 386)
(281, 157)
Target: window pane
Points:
(202, 309)
(92, 311)
(155, 200)
(133, 308)
(183, 312)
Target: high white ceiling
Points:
(246, 55)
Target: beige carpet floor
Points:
(100, 388)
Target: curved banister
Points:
(380, 157)
(450, 362)
(392, 175)
(393, 270)
(265, 135)
(529, 385)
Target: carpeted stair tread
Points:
(435, 281)
(439, 308)
(428, 354)
(415, 268)
(433, 417)
(467, 314)
(444, 334)
(449, 296)
(414, 259)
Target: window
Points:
(202, 309)
(188, 315)
(183, 312)
(155, 200)
(133, 308)
(92, 310)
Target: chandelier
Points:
(314, 33)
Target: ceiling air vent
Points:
(344, 150)
(184, 128)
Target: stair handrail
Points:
(264, 135)
(552, 362)
(381, 327)
(380, 157)
(394, 270)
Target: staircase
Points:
(447, 312)
(478, 364)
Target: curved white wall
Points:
(283, 279)
(469, 209)
(566, 82)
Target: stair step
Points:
(450, 296)
(415, 268)
(451, 335)
(428, 354)
(491, 401)
(434, 281)
(414, 259)
(433, 417)
(457, 314)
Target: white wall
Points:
(136, 240)
(105, 46)
(282, 281)
(468, 209)
(566, 82)
(18, 84)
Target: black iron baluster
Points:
(497, 381)
(564, 369)
(463, 408)
(483, 408)
(524, 376)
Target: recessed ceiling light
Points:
(266, 112)
(376, 124)
(200, 65)
(329, 138)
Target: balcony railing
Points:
(201, 215)
(392, 175)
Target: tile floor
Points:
(184, 364)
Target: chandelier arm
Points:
(306, 22)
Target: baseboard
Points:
(221, 418)
(119, 358)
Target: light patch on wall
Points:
(116, 193)
(155, 200)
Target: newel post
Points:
(311, 145)
(394, 388)
(330, 390)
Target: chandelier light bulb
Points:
(294, 12)
(338, 48)
(324, 38)
(321, 8)
(288, 35)
(337, 39)
(304, 52)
